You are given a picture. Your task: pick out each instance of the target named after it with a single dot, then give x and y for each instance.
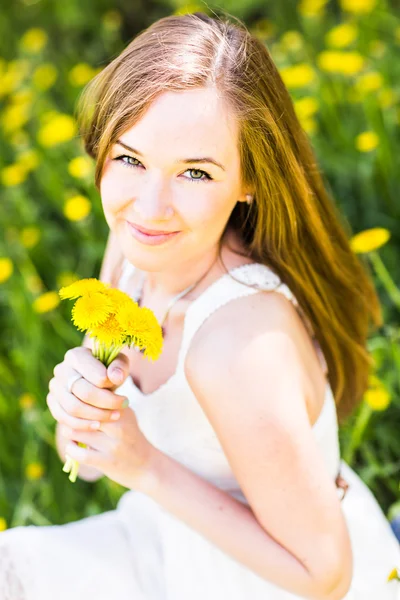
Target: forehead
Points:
(185, 122)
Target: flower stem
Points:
(385, 278)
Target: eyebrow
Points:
(205, 159)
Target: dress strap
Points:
(127, 270)
(236, 284)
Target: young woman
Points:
(220, 223)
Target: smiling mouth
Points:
(150, 231)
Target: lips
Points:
(150, 231)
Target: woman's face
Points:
(161, 177)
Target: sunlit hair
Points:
(292, 225)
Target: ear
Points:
(246, 196)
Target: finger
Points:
(85, 391)
(85, 407)
(61, 416)
(119, 369)
(96, 440)
(82, 360)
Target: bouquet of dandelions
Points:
(114, 320)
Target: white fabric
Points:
(140, 551)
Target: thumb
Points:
(118, 370)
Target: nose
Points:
(153, 200)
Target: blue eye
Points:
(121, 159)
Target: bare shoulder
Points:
(264, 326)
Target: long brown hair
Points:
(292, 224)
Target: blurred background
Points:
(340, 61)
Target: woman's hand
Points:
(116, 447)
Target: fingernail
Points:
(115, 416)
(125, 403)
(117, 374)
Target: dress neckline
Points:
(175, 374)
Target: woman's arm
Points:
(293, 534)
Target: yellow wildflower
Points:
(377, 398)
(13, 175)
(188, 8)
(112, 20)
(305, 107)
(342, 35)
(3, 524)
(34, 470)
(28, 159)
(357, 6)
(109, 332)
(34, 40)
(142, 326)
(66, 278)
(80, 74)
(366, 141)
(369, 240)
(14, 117)
(27, 401)
(14, 74)
(310, 8)
(335, 61)
(77, 208)
(80, 167)
(91, 310)
(6, 269)
(58, 128)
(46, 302)
(394, 574)
(369, 82)
(82, 287)
(44, 76)
(30, 236)
(297, 76)
(309, 125)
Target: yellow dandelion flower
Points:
(30, 236)
(3, 524)
(342, 35)
(119, 298)
(357, 6)
(13, 76)
(27, 401)
(44, 76)
(366, 141)
(46, 302)
(291, 40)
(90, 310)
(377, 398)
(6, 269)
(82, 287)
(369, 240)
(311, 8)
(142, 326)
(335, 61)
(34, 40)
(309, 125)
(34, 470)
(28, 159)
(394, 574)
(188, 8)
(58, 128)
(109, 332)
(112, 20)
(66, 278)
(14, 117)
(80, 167)
(80, 74)
(77, 208)
(297, 76)
(306, 107)
(369, 82)
(13, 175)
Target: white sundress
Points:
(139, 551)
